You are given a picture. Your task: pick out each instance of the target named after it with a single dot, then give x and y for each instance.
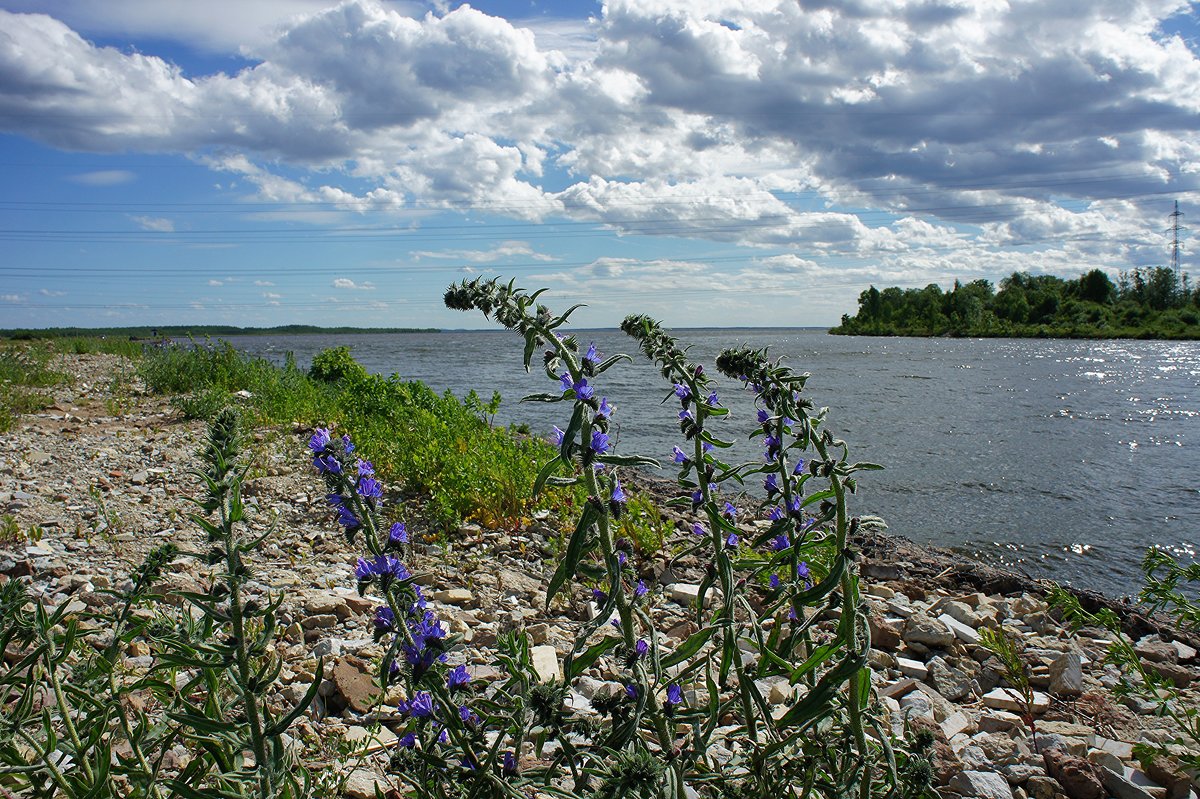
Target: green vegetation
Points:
(194, 331)
(437, 446)
(23, 371)
(1145, 303)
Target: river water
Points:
(1059, 458)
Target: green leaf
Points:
(862, 466)
(628, 460)
(545, 474)
(570, 433)
(279, 727)
(580, 664)
(607, 363)
(689, 647)
(542, 398)
(577, 547)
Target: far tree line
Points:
(1144, 303)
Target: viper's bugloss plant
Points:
(655, 735)
(208, 687)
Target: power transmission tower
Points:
(1175, 228)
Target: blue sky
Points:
(710, 163)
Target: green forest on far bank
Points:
(1144, 303)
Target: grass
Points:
(434, 445)
(24, 369)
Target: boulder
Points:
(981, 785)
(1077, 777)
(922, 629)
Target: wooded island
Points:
(1144, 303)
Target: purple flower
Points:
(776, 514)
(599, 442)
(458, 677)
(631, 691)
(680, 457)
(510, 764)
(640, 590)
(467, 715)
(380, 566)
(780, 543)
(685, 416)
(369, 488)
(408, 741)
(605, 411)
(698, 529)
(365, 468)
(620, 558)
(674, 695)
(697, 498)
(771, 484)
(385, 618)
(641, 648)
(732, 541)
(795, 505)
(707, 447)
(774, 580)
(763, 416)
(557, 436)
(683, 392)
(334, 499)
(599, 596)
(802, 570)
(419, 707)
(729, 512)
(398, 534)
(565, 379)
(591, 356)
(327, 464)
(583, 390)
(618, 494)
(713, 400)
(319, 441)
(347, 444)
(347, 519)
(799, 466)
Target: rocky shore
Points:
(91, 484)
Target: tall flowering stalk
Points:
(800, 545)
(650, 700)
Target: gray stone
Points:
(950, 682)
(961, 631)
(921, 629)
(912, 668)
(1122, 787)
(1066, 675)
(1009, 699)
(688, 594)
(917, 704)
(981, 785)
(455, 596)
(545, 663)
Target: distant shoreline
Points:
(185, 331)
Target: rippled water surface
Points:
(1062, 458)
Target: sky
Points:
(708, 162)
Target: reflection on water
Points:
(1061, 458)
